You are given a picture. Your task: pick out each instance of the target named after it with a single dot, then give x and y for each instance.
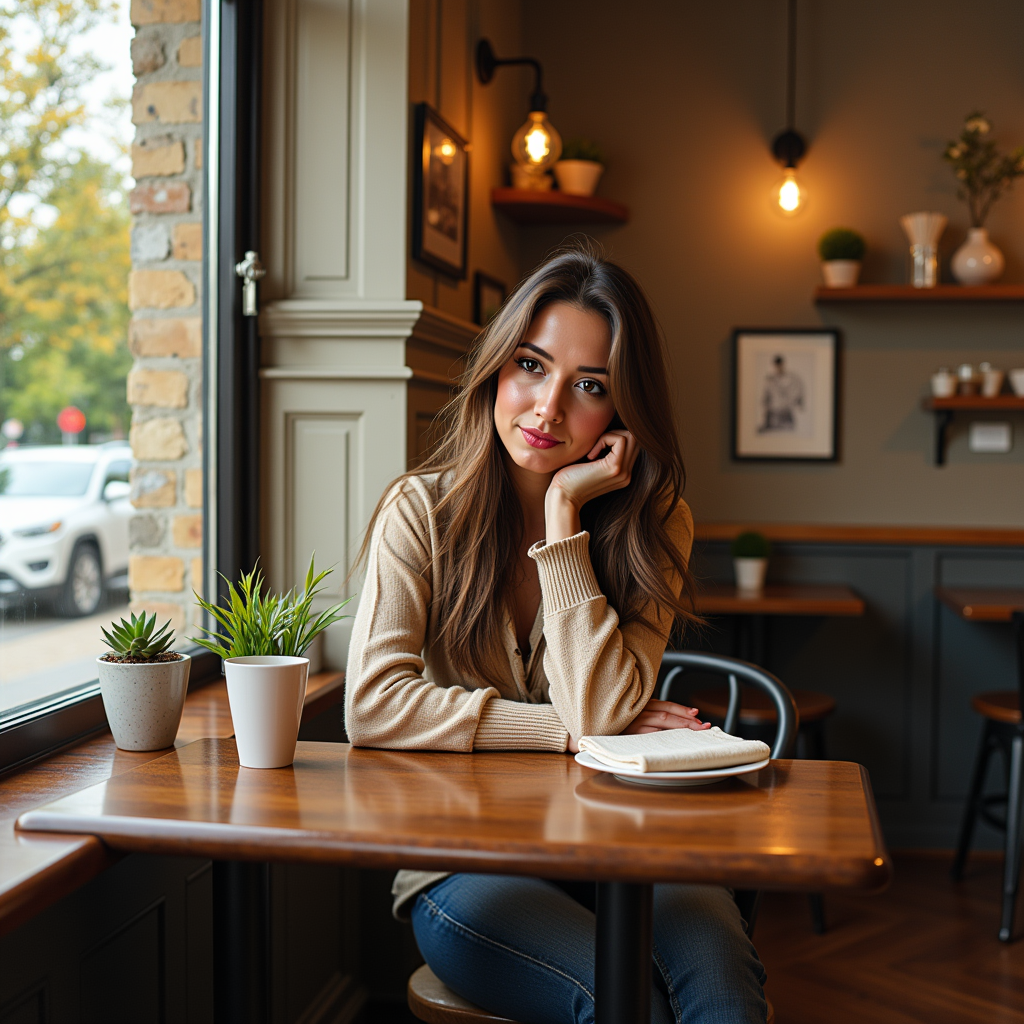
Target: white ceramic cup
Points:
(1017, 382)
(943, 384)
(265, 695)
(991, 382)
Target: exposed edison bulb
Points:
(788, 195)
(536, 145)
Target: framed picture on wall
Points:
(440, 193)
(785, 392)
(488, 295)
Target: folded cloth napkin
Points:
(674, 750)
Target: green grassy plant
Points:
(841, 244)
(751, 545)
(254, 623)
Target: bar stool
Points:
(431, 1000)
(757, 711)
(1004, 730)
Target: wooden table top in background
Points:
(37, 869)
(779, 599)
(983, 604)
(795, 824)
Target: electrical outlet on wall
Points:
(990, 437)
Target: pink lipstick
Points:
(538, 439)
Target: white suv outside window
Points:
(64, 512)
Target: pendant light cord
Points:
(791, 66)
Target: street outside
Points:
(41, 654)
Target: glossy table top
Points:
(795, 824)
(779, 599)
(36, 868)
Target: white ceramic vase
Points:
(977, 261)
(750, 574)
(265, 695)
(578, 177)
(143, 702)
(840, 273)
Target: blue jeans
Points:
(524, 948)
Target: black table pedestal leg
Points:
(622, 976)
(241, 942)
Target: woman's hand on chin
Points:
(573, 486)
(664, 714)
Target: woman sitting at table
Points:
(520, 591)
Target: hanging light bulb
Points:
(788, 195)
(536, 145)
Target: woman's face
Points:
(553, 402)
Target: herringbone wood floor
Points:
(925, 950)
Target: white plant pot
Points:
(578, 177)
(143, 702)
(265, 695)
(977, 261)
(840, 273)
(750, 573)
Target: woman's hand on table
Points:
(657, 716)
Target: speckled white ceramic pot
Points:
(144, 702)
(265, 694)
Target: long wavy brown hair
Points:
(478, 509)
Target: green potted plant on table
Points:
(750, 551)
(841, 251)
(263, 641)
(580, 168)
(142, 683)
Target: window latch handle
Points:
(250, 270)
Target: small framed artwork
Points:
(785, 393)
(488, 295)
(440, 196)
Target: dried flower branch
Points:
(983, 174)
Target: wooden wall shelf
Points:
(946, 408)
(838, 533)
(530, 207)
(906, 293)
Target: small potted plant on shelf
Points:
(750, 551)
(143, 683)
(580, 168)
(841, 251)
(983, 174)
(263, 643)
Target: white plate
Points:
(670, 779)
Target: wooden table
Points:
(775, 599)
(796, 824)
(990, 604)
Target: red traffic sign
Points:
(71, 420)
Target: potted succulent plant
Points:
(750, 553)
(580, 168)
(263, 643)
(841, 251)
(143, 683)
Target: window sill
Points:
(36, 871)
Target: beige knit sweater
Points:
(585, 674)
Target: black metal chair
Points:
(1003, 731)
(786, 725)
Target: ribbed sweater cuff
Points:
(566, 573)
(511, 725)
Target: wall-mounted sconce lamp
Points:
(789, 196)
(536, 145)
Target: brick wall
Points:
(165, 384)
